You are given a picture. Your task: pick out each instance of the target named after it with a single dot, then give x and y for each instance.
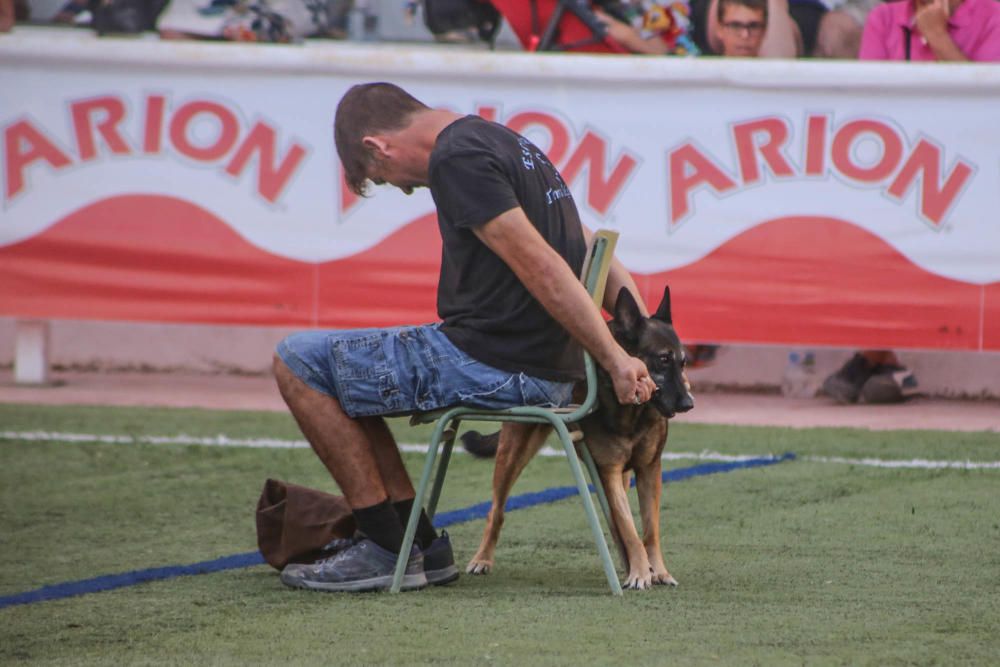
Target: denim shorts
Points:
(408, 369)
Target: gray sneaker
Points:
(439, 561)
(365, 566)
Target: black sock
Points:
(381, 525)
(425, 529)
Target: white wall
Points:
(103, 346)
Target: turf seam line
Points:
(251, 558)
(707, 455)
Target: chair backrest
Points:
(594, 276)
(597, 264)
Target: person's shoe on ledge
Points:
(873, 376)
(845, 385)
(889, 383)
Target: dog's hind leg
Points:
(649, 485)
(518, 444)
(639, 574)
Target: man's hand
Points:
(932, 23)
(632, 382)
(932, 18)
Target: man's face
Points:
(392, 163)
(741, 31)
(384, 170)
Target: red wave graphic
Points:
(808, 280)
(824, 281)
(156, 258)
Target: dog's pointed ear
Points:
(627, 313)
(663, 312)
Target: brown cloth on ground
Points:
(294, 522)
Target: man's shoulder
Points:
(470, 135)
(474, 132)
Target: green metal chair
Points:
(594, 277)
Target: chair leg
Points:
(595, 481)
(588, 508)
(449, 443)
(418, 503)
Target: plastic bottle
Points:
(799, 380)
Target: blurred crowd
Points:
(925, 30)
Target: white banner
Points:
(685, 157)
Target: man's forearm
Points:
(551, 281)
(944, 48)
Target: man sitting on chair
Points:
(513, 313)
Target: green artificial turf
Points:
(800, 562)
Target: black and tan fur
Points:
(622, 439)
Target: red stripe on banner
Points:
(821, 281)
(393, 283)
(801, 280)
(991, 316)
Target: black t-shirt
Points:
(479, 170)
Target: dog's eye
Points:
(667, 358)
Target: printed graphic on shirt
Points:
(529, 155)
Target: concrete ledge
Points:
(115, 346)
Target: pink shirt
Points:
(974, 27)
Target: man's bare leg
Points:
(361, 455)
(388, 459)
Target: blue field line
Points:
(251, 558)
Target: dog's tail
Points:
(479, 445)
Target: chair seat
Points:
(432, 416)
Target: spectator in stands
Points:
(274, 21)
(795, 28)
(872, 376)
(741, 27)
(925, 30)
(933, 30)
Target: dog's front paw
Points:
(479, 566)
(638, 582)
(663, 579)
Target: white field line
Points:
(911, 463)
(275, 443)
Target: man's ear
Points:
(377, 145)
(663, 312)
(627, 313)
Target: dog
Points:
(622, 439)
